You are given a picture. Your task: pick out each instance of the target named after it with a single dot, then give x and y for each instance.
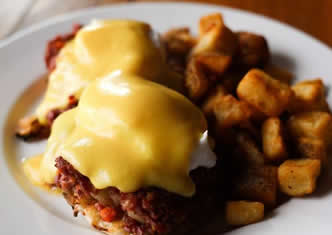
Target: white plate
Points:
(25, 209)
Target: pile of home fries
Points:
(272, 136)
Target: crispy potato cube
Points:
(310, 90)
(253, 50)
(214, 36)
(196, 81)
(210, 22)
(264, 93)
(249, 150)
(274, 147)
(312, 148)
(257, 184)
(179, 41)
(309, 96)
(316, 125)
(298, 177)
(215, 62)
(278, 73)
(212, 99)
(244, 212)
(229, 111)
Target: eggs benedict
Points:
(133, 155)
(91, 52)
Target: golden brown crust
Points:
(215, 36)
(215, 62)
(266, 94)
(29, 128)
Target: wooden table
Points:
(311, 16)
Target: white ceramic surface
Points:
(25, 209)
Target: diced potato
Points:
(196, 81)
(298, 177)
(215, 62)
(312, 148)
(249, 150)
(229, 111)
(257, 184)
(210, 22)
(274, 147)
(179, 41)
(212, 99)
(309, 96)
(309, 90)
(215, 36)
(244, 212)
(317, 125)
(264, 93)
(253, 50)
(279, 73)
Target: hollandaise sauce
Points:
(31, 168)
(102, 48)
(130, 129)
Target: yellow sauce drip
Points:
(127, 131)
(31, 168)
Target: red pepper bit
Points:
(108, 214)
(99, 206)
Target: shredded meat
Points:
(147, 211)
(55, 45)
